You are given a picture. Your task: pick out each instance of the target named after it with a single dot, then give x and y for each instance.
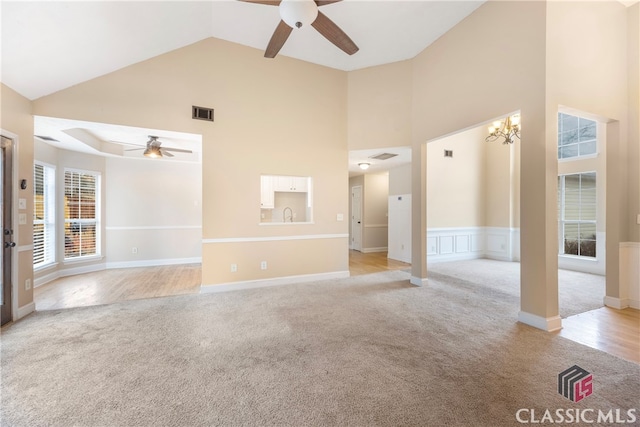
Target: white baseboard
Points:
(618, 303)
(371, 250)
(548, 324)
(418, 281)
(153, 262)
(25, 310)
(276, 281)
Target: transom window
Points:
(81, 214)
(577, 136)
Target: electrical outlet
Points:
(27, 284)
(134, 250)
(263, 265)
(234, 268)
(22, 219)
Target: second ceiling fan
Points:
(299, 13)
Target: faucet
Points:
(284, 214)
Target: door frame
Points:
(14, 221)
(351, 220)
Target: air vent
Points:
(448, 153)
(383, 156)
(202, 113)
(46, 138)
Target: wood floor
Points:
(109, 286)
(613, 331)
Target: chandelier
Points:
(507, 129)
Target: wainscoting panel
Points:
(447, 244)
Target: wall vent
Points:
(202, 113)
(383, 156)
(46, 138)
(448, 153)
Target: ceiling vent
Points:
(46, 138)
(202, 113)
(383, 156)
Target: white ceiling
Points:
(50, 45)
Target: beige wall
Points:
(379, 109)
(455, 185)
(633, 56)
(155, 207)
(458, 83)
(595, 80)
(266, 122)
(16, 118)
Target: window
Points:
(576, 136)
(44, 226)
(577, 214)
(81, 214)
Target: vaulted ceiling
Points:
(51, 45)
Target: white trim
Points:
(154, 227)
(275, 238)
(25, 309)
(617, 303)
(371, 250)
(25, 248)
(14, 219)
(418, 281)
(46, 278)
(153, 262)
(81, 270)
(277, 281)
(287, 223)
(548, 324)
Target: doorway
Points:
(6, 185)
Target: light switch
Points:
(22, 204)
(22, 219)
(340, 217)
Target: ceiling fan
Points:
(155, 150)
(299, 13)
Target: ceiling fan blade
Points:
(267, 2)
(164, 152)
(177, 150)
(324, 2)
(280, 35)
(334, 34)
(135, 149)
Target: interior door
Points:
(7, 231)
(356, 218)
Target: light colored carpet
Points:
(577, 292)
(368, 350)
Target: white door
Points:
(356, 218)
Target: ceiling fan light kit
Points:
(155, 150)
(300, 13)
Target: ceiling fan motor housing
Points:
(298, 13)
